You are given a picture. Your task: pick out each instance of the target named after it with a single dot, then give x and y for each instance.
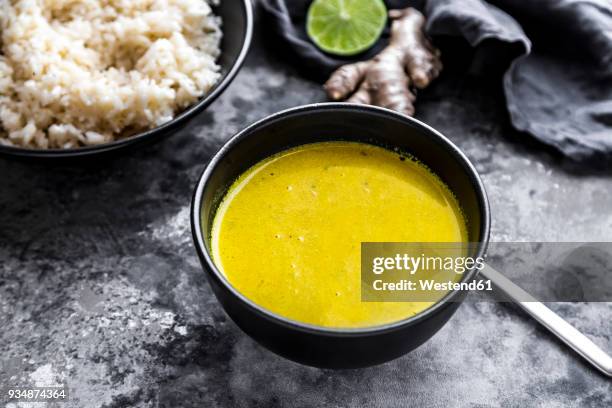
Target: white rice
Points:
(85, 72)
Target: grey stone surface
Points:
(100, 287)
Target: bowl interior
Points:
(327, 122)
(237, 25)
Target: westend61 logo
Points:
(417, 271)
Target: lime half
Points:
(346, 27)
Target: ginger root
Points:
(386, 80)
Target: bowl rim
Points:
(184, 115)
(206, 257)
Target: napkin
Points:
(556, 57)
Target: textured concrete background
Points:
(100, 287)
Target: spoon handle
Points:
(552, 321)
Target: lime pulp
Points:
(346, 27)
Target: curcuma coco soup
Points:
(288, 233)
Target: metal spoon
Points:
(552, 321)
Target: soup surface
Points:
(289, 231)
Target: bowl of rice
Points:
(87, 77)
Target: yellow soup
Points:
(288, 233)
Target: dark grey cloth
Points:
(558, 56)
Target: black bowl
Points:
(237, 17)
(320, 346)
